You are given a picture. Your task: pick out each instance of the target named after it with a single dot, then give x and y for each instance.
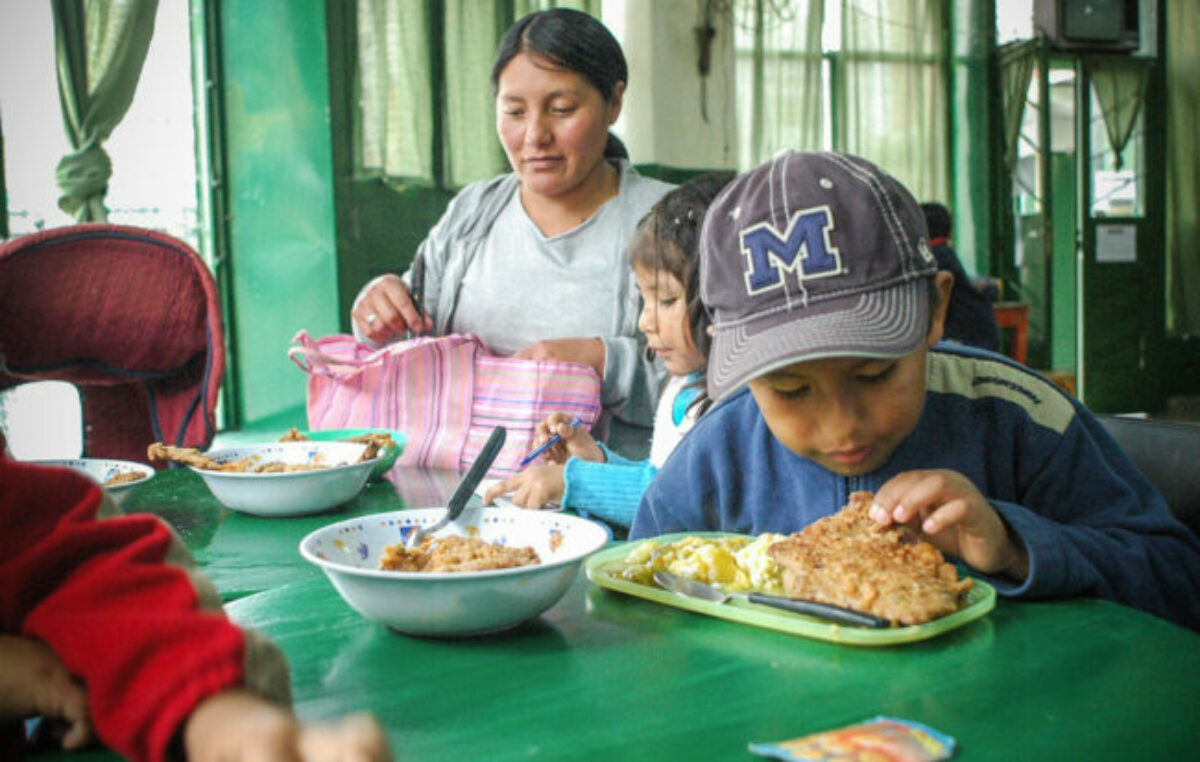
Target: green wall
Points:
(282, 256)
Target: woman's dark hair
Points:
(574, 41)
(672, 230)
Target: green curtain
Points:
(892, 78)
(395, 90)
(473, 151)
(415, 79)
(1119, 83)
(881, 95)
(780, 94)
(1016, 68)
(1183, 168)
(100, 47)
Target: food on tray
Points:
(735, 563)
(849, 560)
(123, 477)
(190, 456)
(455, 554)
(375, 441)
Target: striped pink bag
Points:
(445, 394)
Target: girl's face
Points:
(664, 320)
(849, 414)
(553, 124)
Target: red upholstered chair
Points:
(131, 317)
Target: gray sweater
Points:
(489, 271)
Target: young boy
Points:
(109, 633)
(827, 304)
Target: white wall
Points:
(663, 121)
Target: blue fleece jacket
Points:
(1091, 522)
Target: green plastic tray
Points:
(604, 567)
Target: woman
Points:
(533, 262)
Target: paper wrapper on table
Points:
(446, 394)
(876, 739)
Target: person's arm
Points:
(117, 602)
(447, 250)
(388, 297)
(608, 491)
(1093, 525)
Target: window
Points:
(425, 95)
(862, 76)
(152, 150)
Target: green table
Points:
(605, 676)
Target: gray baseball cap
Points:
(812, 255)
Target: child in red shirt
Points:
(109, 632)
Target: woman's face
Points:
(553, 124)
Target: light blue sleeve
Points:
(610, 491)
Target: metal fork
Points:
(464, 490)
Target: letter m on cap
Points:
(804, 248)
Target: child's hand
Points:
(239, 726)
(956, 517)
(531, 488)
(33, 681)
(575, 441)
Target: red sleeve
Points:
(101, 595)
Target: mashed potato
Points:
(737, 564)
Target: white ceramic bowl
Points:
(101, 470)
(289, 493)
(454, 603)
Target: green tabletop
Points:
(606, 676)
(245, 554)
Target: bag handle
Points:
(310, 359)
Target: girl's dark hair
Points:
(574, 41)
(672, 227)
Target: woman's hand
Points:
(239, 726)
(956, 517)
(385, 310)
(531, 488)
(34, 681)
(583, 351)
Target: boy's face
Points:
(849, 414)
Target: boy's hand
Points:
(33, 681)
(575, 441)
(531, 488)
(238, 726)
(955, 516)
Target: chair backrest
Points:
(1168, 455)
(131, 317)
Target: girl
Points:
(584, 474)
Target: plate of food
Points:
(279, 478)
(844, 560)
(488, 571)
(390, 443)
(117, 477)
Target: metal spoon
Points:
(464, 490)
(699, 590)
